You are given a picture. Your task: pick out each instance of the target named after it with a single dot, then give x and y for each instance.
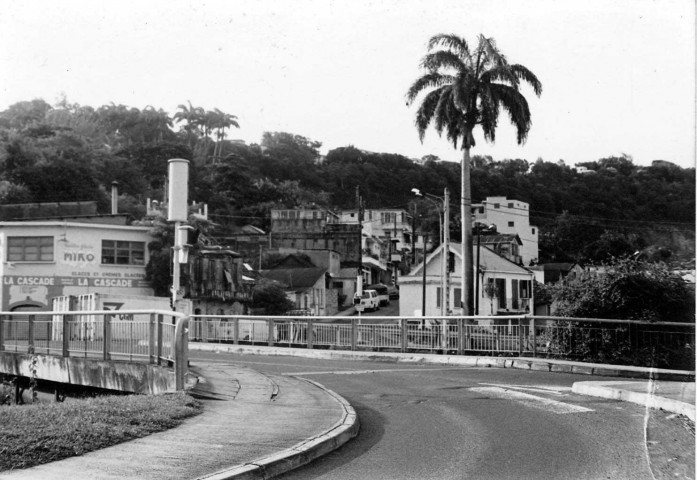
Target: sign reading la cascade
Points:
(136, 281)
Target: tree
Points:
(466, 88)
(626, 289)
(269, 295)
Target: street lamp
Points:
(445, 235)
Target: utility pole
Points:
(395, 264)
(446, 247)
(359, 277)
(413, 235)
(423, 280)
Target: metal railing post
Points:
(460, 336)
(106, 347)
(534, 336)
(354, 333)
(30, 335)
(468, 335)
(310, 334)
(66, 335)
(181, 361)
(160, 321)
(405, 334)
(152, 339)
(235, 331)
(270, 323)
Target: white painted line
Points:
(385, 370)
(532, 400)
(552, 389)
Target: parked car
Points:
(393, 292)
(383, 293)
(367, 301)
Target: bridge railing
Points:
(151, 336)
(664, 345)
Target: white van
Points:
(368, 301)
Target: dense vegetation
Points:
(69, 152)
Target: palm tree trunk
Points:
(467, 274)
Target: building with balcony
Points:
(513, 217)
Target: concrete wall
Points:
(122, 376)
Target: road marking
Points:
(385, 370)
(553, 389)
(532, 400)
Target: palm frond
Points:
(527, 76)
(452, 42)
(500, 74)
(441, 59)
(425, 82)
(426, 112)
(494, 58)
(517, 107)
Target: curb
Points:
(523, 363)
(649, 400)
(301, 453)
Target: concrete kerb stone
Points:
(612, 391)
(301, 453)
(539, 364)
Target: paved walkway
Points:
(252, 425)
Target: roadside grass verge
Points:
(40, 433)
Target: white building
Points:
(504, 288)
(41, 260)
(510, 216)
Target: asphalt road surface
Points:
(434, 422)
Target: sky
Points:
(618, 76)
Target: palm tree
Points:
(222, 121)
(193, 116)
(465, 88)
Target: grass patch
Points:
(40, 433)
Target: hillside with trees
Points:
(68, 152)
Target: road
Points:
(433, 422)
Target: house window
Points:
(497, 205)
(438, 297)
(120, 252)
(388, 217)
(501, 292)
(510, 224)
(30, 249)
(533, 231)
(457, 297)
(510, 205)
(525, 288)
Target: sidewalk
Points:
(676, 397)
(252, 426)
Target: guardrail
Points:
(151, 336)
(664, 345)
